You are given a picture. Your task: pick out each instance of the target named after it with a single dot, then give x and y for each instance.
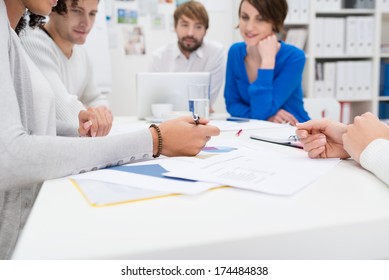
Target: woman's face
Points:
(252, 27)
(40, 7)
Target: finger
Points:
(101, 123)
(302, 133)
(84, 128)
(278, 119)
(313, 142)
(107, 118)
(211, 130)
(317, 153)
(104, 125)
(305, 126)
(293, 120)
(95, 124)
(84, 123)
(203, 121)
(87, 125)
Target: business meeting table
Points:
(342, 215)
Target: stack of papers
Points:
(236, 163)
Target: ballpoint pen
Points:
(239, 132)
(196, 119)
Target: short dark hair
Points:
(273, 11)
(192, 10)
(37, 20)
(61, 7)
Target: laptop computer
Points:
(166, 87)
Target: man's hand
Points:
(322, 138)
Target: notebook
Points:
(166, 87)
(283, 135)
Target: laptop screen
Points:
(166, 87)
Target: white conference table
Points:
(343, 215)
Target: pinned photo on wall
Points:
(179, 2)
(134, 41)
(158, 22)
(127, 16)
(148, 7)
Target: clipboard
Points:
(283, 135)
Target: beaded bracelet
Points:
(159, 151)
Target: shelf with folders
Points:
(297, 24)
(351, 36)
(345, 80)
(344, 5)
(383, 96)
(344, 57)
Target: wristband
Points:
(159, 151)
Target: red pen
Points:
(239, 132)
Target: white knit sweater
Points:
(71, 78)
(375, 158)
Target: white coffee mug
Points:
(159, 109)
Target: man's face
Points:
(75, 26)
(190, 34)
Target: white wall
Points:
(124, 68)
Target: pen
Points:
(294, 138)
(239, 132)
(196, 119)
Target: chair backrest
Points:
(322, 108)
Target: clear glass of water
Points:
(198, 97)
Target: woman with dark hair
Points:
(30, 150)
(264, 75)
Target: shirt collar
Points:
(199, 52)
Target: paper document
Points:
(100, 194)
(261, 170)
(147, 176)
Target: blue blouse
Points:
(274, 89)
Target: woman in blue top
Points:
(264, 75)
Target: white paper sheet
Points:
(143, 179)
(261, 170)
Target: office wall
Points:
(223, 19)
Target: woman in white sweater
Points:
(366, 141)
(29, 148)
(56, 48)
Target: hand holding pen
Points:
(196, 119)
(181, 136)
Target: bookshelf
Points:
(356, 66)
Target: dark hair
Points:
(193, 10)
(273, 11)
(37, 20)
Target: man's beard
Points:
(190, 48)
